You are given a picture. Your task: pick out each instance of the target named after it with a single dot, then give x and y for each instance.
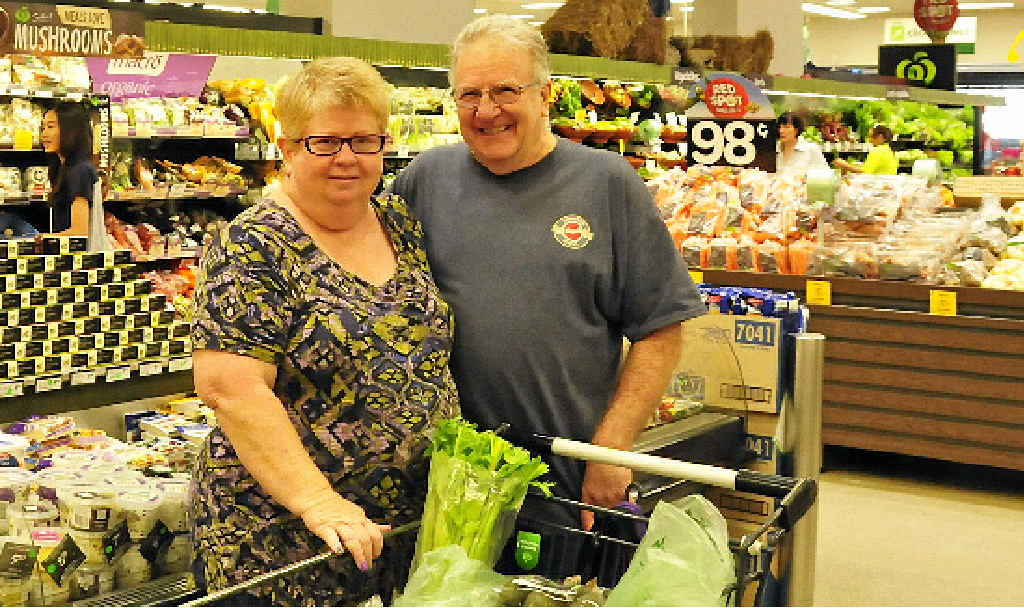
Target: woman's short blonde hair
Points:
(504, 29)
(330, 82)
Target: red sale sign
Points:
(727, 98)
(936, 17)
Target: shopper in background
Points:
(549, 253)
(881, 160)
(322, 344)
(67, 133)
(796, 154)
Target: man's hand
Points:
(604, 486)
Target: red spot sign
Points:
(727, 98)
(936, 15)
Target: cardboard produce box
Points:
(731, 361)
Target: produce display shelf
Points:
(166, 194)
(8, 146)
(898, 379)
(16, 90)
(88, 396)
(235, 133)
(190, 255)
(169, 590)
(21, 198)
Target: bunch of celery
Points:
(476, 486)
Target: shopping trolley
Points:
(754, 552)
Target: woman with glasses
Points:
(322, 344)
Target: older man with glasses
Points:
(549, 253)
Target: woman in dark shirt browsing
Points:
(67, 132)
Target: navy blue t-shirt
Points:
(546, 270)
(79, 180)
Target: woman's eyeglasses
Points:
(329, 145)
(504, 95)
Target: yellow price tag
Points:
(22, 139)
(581, 116)
(622, 146)
(943, 303)
(819, 292)
(697, 276)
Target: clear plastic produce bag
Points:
(684, 560)
(448, 577)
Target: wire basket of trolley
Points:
(680, 554)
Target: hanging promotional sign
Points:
(153, 75)
(733, 124)
(904, 30)
(58, 29)
(931, 66)
(936, 17)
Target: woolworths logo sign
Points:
(920, 69)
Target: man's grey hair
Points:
(509, 31)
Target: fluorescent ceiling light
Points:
(226, 9)
(522, 16)
(841, 2)
(534, 6)
(977, 6)
(874, 9)
(535, 23)
(479, 11)
(827, 11)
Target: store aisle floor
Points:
(899, 531)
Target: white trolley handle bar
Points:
(743, 480)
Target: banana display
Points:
(257, 97)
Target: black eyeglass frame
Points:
(341, 143)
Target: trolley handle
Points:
(797, 494)
(262, 579)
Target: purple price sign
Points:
(154, 75)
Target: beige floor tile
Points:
(897, 540)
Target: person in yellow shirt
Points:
(881, 160)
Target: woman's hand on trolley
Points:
(342, 524)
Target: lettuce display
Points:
(476, 486)
(912, 120)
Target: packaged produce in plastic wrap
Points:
(1006, 274)
(805, 257)
(850, 257)
(992, 213)
(683, 560)
(866, 205)
(476, 485)
(446, 576)
(723, 253)
(772, 256)
(693, 250)
(1014, 248)
(1015, 215)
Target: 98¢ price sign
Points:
(733, 124)
(738, 143)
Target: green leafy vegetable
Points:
(476, 486)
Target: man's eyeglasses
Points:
(504, 95)
(329, 145)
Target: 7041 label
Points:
(755, 333)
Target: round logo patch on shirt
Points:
(572, 232)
